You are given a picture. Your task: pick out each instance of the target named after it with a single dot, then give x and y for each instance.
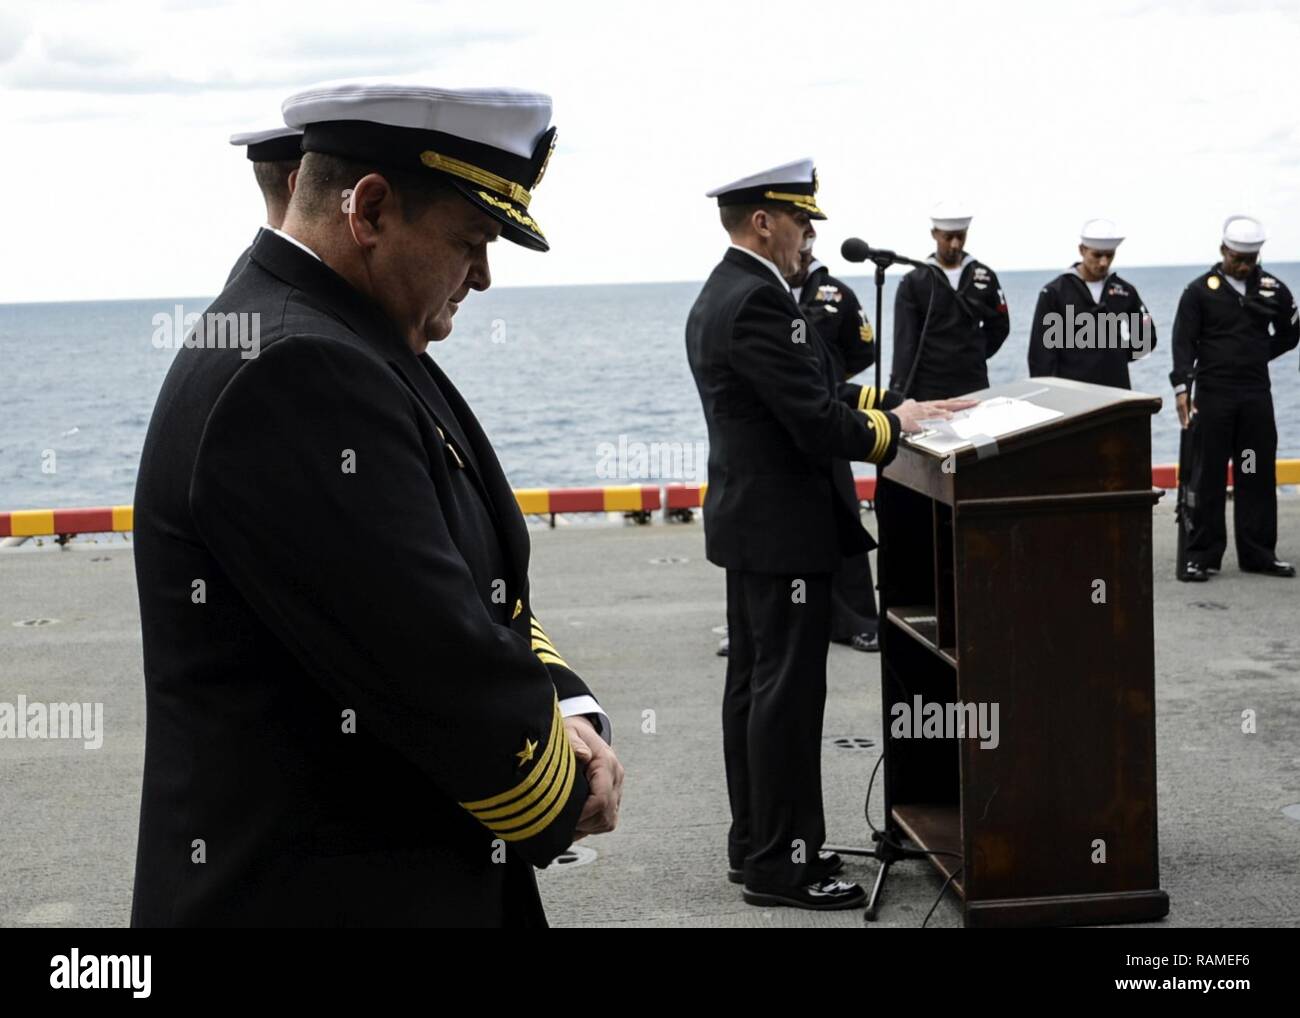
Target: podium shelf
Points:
(936, 828)
(922, 624)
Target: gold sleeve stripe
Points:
(881, 425)
(550, 806)
(544, 648)
(522, 811)
(523, 788)
(555, 802)
(867, 397)
(552, 659)
(865, 333)
(540, 644)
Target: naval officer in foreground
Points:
(778, 520)
(353, 715)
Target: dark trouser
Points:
(853, 599)
(772, 724)
(1233, 425)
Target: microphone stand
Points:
(887, 847)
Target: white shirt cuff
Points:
(587, 706)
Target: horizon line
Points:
(553, 286)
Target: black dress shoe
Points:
(1275, 568)
(868, 643)
(827, 865)
(823, 896)
(1194, 574)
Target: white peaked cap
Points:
(504, 118)
(270, 134)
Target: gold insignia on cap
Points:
(547, 161)
(517, 193)
(1212, 282)
(526, 754)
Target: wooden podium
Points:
(1017, 572)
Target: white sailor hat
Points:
(1100, 235)
(492, 144)
(275, 144)
(1243, 234)
(793, 184)
(949, 215)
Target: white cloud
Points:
(1165, 119)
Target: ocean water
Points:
(557, 375)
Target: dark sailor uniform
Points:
(966, 326)
(780, 517)
(832, 308)
(1068, 301)
(354, 717)
(1222, 344)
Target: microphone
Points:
(857, 250)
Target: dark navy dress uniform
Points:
(1222, 344)
(966, 326)
(779, 517)
(833, 309)
(395, 594)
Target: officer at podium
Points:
(776, 519)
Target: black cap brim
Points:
(517, 226)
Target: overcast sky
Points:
(1165, 117)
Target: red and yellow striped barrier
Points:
(47, 522)
(630, 498)
(614, 499)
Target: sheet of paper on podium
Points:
(988, 420)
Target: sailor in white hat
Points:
(1089, 323)
(958, 304)
(275, 153)
(1231, 321)
(420, 745)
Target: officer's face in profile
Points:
(1238, 264)
(432, 264)
(1095, 264)
(949, 245)
(785, 233)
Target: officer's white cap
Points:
(793, 183)
(270, 134)
(503, 118)
(1243, 234)
(492, 144)
(1100, 235)
(950, 215)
